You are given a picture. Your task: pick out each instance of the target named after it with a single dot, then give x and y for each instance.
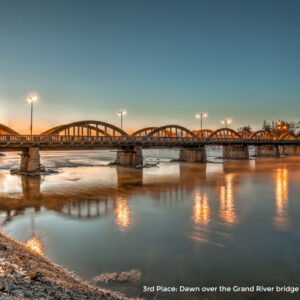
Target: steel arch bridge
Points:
(144, 131)
(86, 128)
(171, 131)
(204, 133)
(6, 130)
(262, 134)
(287, 136)
(226, 133)
(244, 134)
(93, 128)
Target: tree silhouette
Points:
(245, 128)
(267, 126)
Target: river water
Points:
(221, 223)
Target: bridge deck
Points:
(59, 142)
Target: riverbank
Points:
(25, 274)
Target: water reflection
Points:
(281, 219)
(201, 209)
(127, 177)
(122, 213)
(34, 244)
(31, 187)
(200, 217)
(84, 208)
(85, 196)
(227, 208)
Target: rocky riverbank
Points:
(25, 274)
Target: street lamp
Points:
(31, 99)
(201, 116)
(121, 113)
(226, 122)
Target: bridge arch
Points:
(205, 133)
(287, 136)
(143, 132)
(244, 134)
(6, 130)
(224, 133)
(263, 135)
(86, 128)
(172, 131)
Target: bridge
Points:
(90, 134)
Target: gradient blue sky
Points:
(161, 60)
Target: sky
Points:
(161, 60)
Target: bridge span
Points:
(101, 135)
(129, 148)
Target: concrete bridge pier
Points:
(131, 157)
(235, 152)
(193, 154)
(30, 160)
(267, 151)
(291, 150)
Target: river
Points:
(221, 223)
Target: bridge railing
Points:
(52, 139)
(65, 138)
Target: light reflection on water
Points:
(200, 217)
(201, 209)
(227, 209)
(281, 194)
(189, 224)
(122, 213)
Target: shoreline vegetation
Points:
(25, 274)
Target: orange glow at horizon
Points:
(201, 209)
(122, 213)
(35, 245)
(281, 197)
(227, 209)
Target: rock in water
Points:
(131, 275)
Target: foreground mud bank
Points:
(25, 274)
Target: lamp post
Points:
(31, 100)
(121, 113)
(226, 122)
(201, 116)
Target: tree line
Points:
(276, 127)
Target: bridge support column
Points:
(291, 150)
(130, 157)
(267, 151)
(30, 160)
(193, 154)
(235, 152)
